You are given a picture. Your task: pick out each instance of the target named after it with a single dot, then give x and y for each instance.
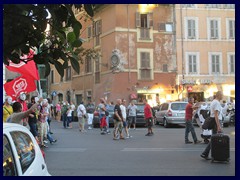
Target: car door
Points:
(163, 111)
(9, 163)
(27, 153)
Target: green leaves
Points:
(75, 64)
(24, 27)
(89, 9)
(71, 37)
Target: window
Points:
(229, 6)
(25, 149)
(79, 98)
(164, 107)
(192, 64)
(89, 95)
(214, 29)
(89, 31)
(88, 65)
(188, 5)
(191, 29)
(68, 73)
(165, 68)
(215, 63)
(97, 30)
(231, 62)
(97, 71)
(144, 22)
(9, 164)
(145, 65)
(165, 27)
(52, 76)
(213, 5)
(231, 29)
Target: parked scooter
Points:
(231, 113)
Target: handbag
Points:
(209, 123)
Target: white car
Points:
(22, 155)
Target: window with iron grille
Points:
(214, 32)
(191, 29)
(145, 69)
(68, 73)
(88, 65)
(97, 71)
(192, 64)
(232, 64)
(231, 29)
(215, 59)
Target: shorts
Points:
(125, 124)
(149, 122)
(132, 120)
(81, 120)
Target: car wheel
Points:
(165, 123)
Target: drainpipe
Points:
(182, 45)
(129, 63)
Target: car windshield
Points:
(140, 107)
(178, 106)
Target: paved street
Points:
(164, 154)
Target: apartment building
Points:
(205, 35)
(137, 56)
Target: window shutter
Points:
(216, 29)
(94, 29)
(193, 29)
(138, 19)
(161, 27)
(212, 28)
(89, 32)
(150, 20)
(189, 28)
(100, 27)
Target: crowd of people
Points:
(38, 114)
(35, 115)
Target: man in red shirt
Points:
(148, 117)
(189, 126)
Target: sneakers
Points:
(205, 157)
(188, 142)
(53, 141)
(89, 128)
(45, 141)
(148, 134)
(197, 142)
(127, 137)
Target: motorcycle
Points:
(231, 113)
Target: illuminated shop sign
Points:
(201, 81)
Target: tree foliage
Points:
(24, 28)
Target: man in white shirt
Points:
(81, 113)
(215, 112)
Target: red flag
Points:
(26, 69)
(20, 84)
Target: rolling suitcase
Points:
(220, 147)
